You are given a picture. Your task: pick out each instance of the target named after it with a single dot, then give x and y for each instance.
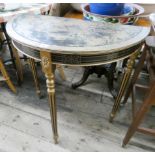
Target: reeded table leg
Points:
(6, 77)
(35, 76)
(18, 65)
(136, 74)
(61, 71)
(124, 83)
(48, 69)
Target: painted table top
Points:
(36, 8)
(71, 36)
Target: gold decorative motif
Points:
(50, 83)
(45, 62)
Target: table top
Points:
(35, 8)
(71, 36)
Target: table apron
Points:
(77, 59)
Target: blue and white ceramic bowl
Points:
(128, 10)
(129, 16)
(106, 8)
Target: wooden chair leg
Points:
(140, 114)
(136, 121)
(35, 76)
(61, 71)
(6, 77)
(133, 103)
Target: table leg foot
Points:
(113, 93)
(56, 139)
(111, 118)
(53, 113)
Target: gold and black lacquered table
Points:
(57, 40)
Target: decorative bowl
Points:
(126, 18)
(128, 10)
(106, 8)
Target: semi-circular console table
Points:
(57, 40)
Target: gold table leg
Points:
(6, 77)
(61, 71)
(49, 69)
(35, 76)
(124, 84)
(18, 64)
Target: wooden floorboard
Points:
(12, 140)
(21, 130)
(82, 119)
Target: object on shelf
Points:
(128, 10)
(106, 8)
(126, 18)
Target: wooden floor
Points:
(82, 118)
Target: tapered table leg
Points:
(136, 74)
(35, 76)
(61, 71)
(6, 77)
(48, 69)
(124, 84)
(18, 64)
